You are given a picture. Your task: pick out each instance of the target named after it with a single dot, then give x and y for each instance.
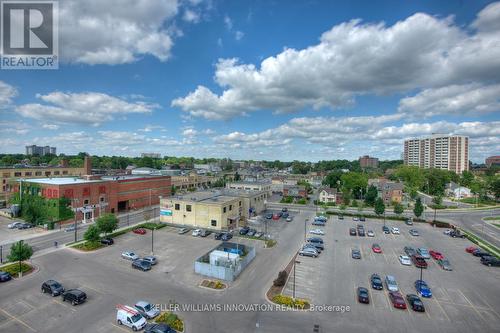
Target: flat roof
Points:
(252, 182)
(58, 180)
(206, 197)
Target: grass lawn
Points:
(492, 218)
(88, 246)
(13, 268)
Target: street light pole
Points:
(152, 240)
(305, 229)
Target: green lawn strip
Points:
(13, 268)
(482, 243)
(492, 218)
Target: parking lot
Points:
(465, 299)
(8, 235)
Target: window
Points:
(86, 201)
(47, 173)
(56, 172)
(27, 173)
(213, 223)
(65, 172)
(240, 203)
(230, 207)
(224, 209)
(177, 207)
(17, 174)
(188, 208)
(38, 173)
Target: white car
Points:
(128, 316)
(447, 231)
(316, 232)
(405, 260)
(395, 230)
(355, 219)
(14, 225)
(147, 309)
(129, 255)
(370, 233)
(196, 232)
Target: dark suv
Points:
(52, 287)
(5, 276)
(490, 261)
(74, 296)
(141, 264)
(107, 241)
(244, 230)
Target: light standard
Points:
(75, 201)
(152, 240)
(305, 229)
(295, 262)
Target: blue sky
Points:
(287, 80)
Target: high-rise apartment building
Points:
(448, 152)
(40, 150)
(368, 162)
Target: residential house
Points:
(388, 190)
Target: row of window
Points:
(37, 173)
(189, 207)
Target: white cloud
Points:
(83, 108)
(7, 94)
(352, 59)
(191, 16)
(238, 35)
(189, 132)
(459, 100)
(228, 22)
(488, 19)
(151, 128)
(51, 127)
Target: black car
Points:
(158, 328)
(269, 216)
(361, 232)
(218, 235)
(285, 215)
(52, 287)
(363, 295)
(25, 226)
(315, 240)
(352, 231)
(74, 296)
(251, 232)
(356, 254)
(318, 248)
(244, 230)
(226, 236)
(456, 234)
(284, 209)
(481, 253)
(362, 218)
(5, 276)
(376, 282)
(107, 241)
(280, 214)
(143, 265)
(415, 303)
(409, 251)
(386, 230)
(341, 217)
(490, 261)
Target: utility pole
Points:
(152, 240)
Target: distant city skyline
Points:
(262, 80)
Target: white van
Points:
(128, 316)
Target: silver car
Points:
(391, 284)
(308, 252)
(148, 310)
(151, 259)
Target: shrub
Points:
(88, 246)
(152, 225)
(270, 243)
(281, 280)
(13, 269)
(290, 302)
(172, 320)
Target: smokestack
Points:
(87, 165)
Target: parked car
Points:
(141, 264)
(395, 230)
(457, 234)
(424, 253)
(362, 218)
(376, 282)
(423, 289)
(352, 231)
(376, 248)
(5, 276)
(129, 316)
(321, 218)
(405, 260)
(107, 241)
(52, 287)
(318, 246)
(390, 283)
(447, 232)
(386, 229)
(251, 232)
(316, 232)
(226, 236)
(158, 328)
(14, 225)
(285, 215)
(196, 232)
(341, 217)
(409, 221)
(269, 216)
(308, 252)
(205, 232)
(356, 254)
(414, 232)
(70, 228)
(409, 251)
(445, 264)
(355, 218)
(397, 300)
(146, 309)
(471, 249)
(419, 261)
(258, 234)
(289, 219)
(415, 303)
(244, 230)
(276, 217)
(370, 233)
(363, 295)
(129, 255)
(26, 226)
(74, 296)
(481, 253)
(361, 232)
(139, 231)
(313, 246)
(318, 222)
(183, 231)
(436, 255)
(490, 261)
(315, 240)
(218, 235)
(151, 259)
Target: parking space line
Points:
(488, 304)
(123, 329)
(63, 304)
(442, 309)
(472, 305)
(388, 301)
(371, 297)
(17, 319)
(27, 304)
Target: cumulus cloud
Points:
(352, 59)
(7, 94)
(191, 16)
(52, 127)
(468, 99)
(89, 108)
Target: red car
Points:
(397, 300)
(418, 261)
(140, 231)
(276, 217)
(470, 249)
(436, 255)
(376, 248)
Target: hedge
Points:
(288, 301)
(281, 279)
(172, 320)
(151, 225)
(88, 246)
(390, 217)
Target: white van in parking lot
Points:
(128, 316)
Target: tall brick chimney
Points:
(87, 165)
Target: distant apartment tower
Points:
(152, 155)
(40, 150)
(368, 162)
(448, 152)
(492, 161)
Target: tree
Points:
(379, 206)
(371, 195)
(437, 201)
(20, 251)
(107, 223)
(419, 208)
(92, 234)
(398, 208)
(466, 178)
(355, 183)
(333, 179)
(237, 176)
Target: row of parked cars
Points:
(143, 264)
(54, 288)
(486, 258)
(136, 317)
(419, 256)
(20, 225)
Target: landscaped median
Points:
(172, 320)
(13, 269)
(482, 243)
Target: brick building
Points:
(388, 190)
(368, 162)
